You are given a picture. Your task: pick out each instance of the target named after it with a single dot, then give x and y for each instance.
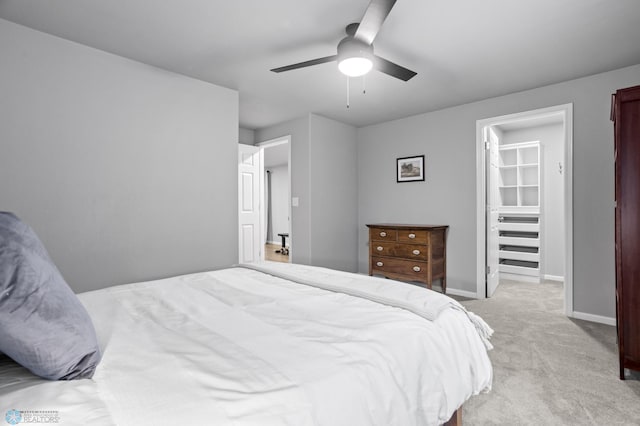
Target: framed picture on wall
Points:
(410, 169)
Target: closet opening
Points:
(524, 202)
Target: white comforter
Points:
(240, 347)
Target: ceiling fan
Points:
(355, 52)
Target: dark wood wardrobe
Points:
(626, 118)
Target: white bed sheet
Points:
(239, 347)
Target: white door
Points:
(249, 178)
(493, 201)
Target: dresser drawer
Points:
(412, 269)
(383, 234)
(413, 236)
(405, 251)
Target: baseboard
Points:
(277, 243)
(593, 318)
(554, 278)
(463, 293)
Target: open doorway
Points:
(524, 200)
(276, 215)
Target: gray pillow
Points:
(43, 325)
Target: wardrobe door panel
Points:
(627, 134)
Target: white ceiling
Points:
(462, 50)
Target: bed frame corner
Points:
(456, 418)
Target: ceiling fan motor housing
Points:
(351, 47)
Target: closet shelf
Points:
(516, 241)
(519, 270)
(519, 255)
(505, 227)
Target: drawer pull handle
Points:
(412, 236)
(416, 268)
(379, 248)
(379, 264)
(383, 234)
(416, 252)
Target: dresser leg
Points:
(444, 285)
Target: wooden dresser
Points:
(409, 252)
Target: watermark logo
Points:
(13, 417)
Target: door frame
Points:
(268, 144)
(566, 111)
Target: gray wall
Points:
(324, 178)
(246, 136)
(126, 172)
(447, 138)
(334, 194)
(551, 139)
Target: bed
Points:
(265, 344)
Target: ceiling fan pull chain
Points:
(348, 92)
(364, 84)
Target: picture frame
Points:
(410, 169)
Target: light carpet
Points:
(549, 369)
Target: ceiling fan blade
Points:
(306, 63)
(394, 70)
(372, 20)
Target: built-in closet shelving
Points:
(519, 222)
(520, 176)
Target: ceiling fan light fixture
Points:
(355, 67)
(355, 58)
